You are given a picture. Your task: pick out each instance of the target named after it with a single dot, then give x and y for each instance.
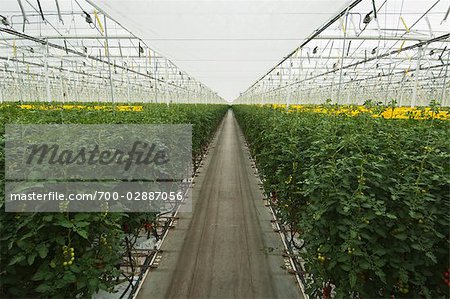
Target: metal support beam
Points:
(288, 98)
(342, 58)
(47, 80)
(416, 81)
(76, 37)
(444, 86)
(109, 62)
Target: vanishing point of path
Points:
(225, 248)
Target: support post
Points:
(288, 88)
(416, 79)
(444, 84)
(166, 81)
(342, 57)
(128, 80)
(47, 80)
(109, 62)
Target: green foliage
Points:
(369, 196)
(64, 255)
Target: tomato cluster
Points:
(446, 277)
(68, 255)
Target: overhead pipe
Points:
(314, 35)
(24, 14)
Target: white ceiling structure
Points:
(379, 51)
(206, 51)
(226, 45)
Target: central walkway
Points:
(225, 248)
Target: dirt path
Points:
(226, 248)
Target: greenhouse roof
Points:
(387, 49)
(301, 51)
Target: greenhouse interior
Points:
(225, 149)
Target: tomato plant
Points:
(68, 255)
(368, 196)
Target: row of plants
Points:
(375, 110)
(366, 199)
(74, 106)
(69, 255)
